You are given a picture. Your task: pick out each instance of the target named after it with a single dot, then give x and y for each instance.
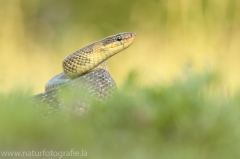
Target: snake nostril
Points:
(133, 34)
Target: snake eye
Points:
(118, 38)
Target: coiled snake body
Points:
(85, 71)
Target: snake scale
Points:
(85, 73)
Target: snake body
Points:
(85, 70)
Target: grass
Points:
(186, 119)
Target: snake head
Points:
(118, 42)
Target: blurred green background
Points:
(35, 36)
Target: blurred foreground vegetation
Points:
(187, 119)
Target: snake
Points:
(85, 72)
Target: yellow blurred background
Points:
(35, 36)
